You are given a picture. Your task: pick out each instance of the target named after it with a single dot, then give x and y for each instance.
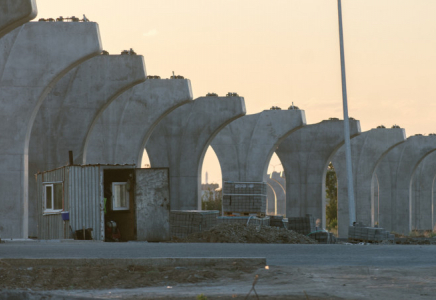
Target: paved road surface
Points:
(284, 255)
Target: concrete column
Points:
(33, 58)
(271, 199)
(245, 146)
(14, 13)
(367, 149)
(278, 183)
(422, 194)
(395, 172)
(121, 132)
(181, 139)
(66, 116)
(305, 155)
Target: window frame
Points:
(52, 210)
(124, 208)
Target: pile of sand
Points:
(241, 233)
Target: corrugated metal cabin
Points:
(76, 197)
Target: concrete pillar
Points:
(245, 146)
(395, 172)
(14, 13)
(271, 199)
(181, 139)
(33, 58)
(278, 183)
(305, 155)
(122, 130)
(367, 149)
(66, 116)
(422, 194)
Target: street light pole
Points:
(351, 203)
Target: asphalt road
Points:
(276, 254)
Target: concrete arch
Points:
(419, 197)
(432, 204)
(123, 129)
(29, 68)
(280, 191)
(181, 139)
(305, 155)
(245, 146)
(14, 13)
(395, 174)
(66, 116)
(271, 196)
(367, 149)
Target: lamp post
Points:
(351, 203)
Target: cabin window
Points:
(53, 197)
(120, 196)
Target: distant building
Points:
(211, 188)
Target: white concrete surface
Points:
(278, 183)
(33, 58)
(395, 173)
(245, 146)
(367, 149)
(14, 13)
(305, 155)
(66, 116)
(181, 139)
(422, 194)
(120, 133)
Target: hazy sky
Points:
(281, 51)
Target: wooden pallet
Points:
(244, 214)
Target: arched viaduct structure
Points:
(422, 194)
(245, 146)
(65, 118)
(181, 139)
(120, 133)
(367, 149)
(305, 155)
(395, 173)
(34, 57)
(14, 13)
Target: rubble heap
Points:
(241, 233)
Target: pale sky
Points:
(281, 51)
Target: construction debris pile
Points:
(241, 233)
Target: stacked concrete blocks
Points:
(244, 198)
(248, 220)
(323, 237)
(360, 233)
(303, 225)
(186, 222)
(279, 221)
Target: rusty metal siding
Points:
(50, 226)
(85, 197)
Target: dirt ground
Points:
(107, 277)
(232, 281)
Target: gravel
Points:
(241, 233)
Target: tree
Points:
(211, 200)
(331, 183)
